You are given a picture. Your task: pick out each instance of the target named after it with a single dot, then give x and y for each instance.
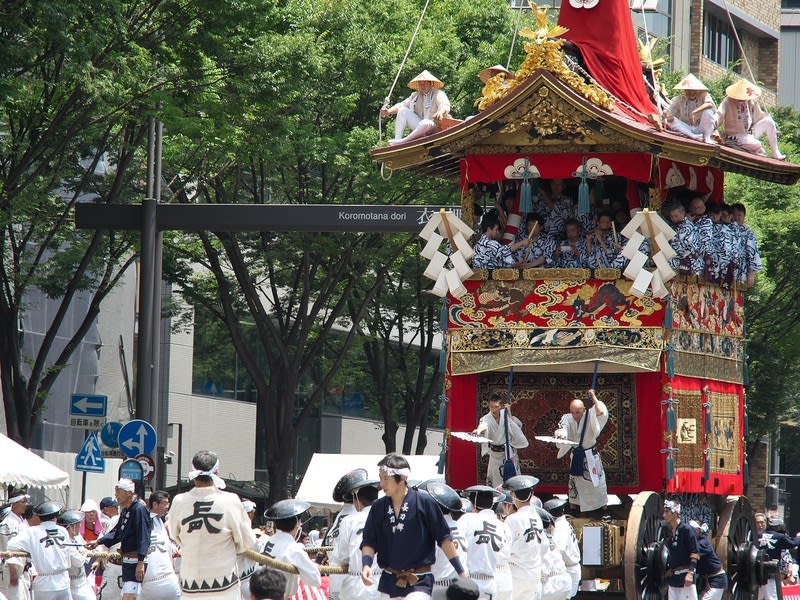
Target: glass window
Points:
(719, 42)
(790, 4)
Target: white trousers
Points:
(22, 591)
(166, 588)
(418, 126)
(524, 587)
(687, 592)
(411, 596)
(768, 591)
(56, 595)
(701, 132)
(751, 143)
(713, 594)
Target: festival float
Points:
(667, 350)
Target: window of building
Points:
(790, 4)
(719, 42)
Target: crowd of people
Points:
(419, 540)
(711, 239)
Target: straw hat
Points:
(691, 83)
(425, 76)
(743, 90)
(490, 72)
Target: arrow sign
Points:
(89, 458)
(109, 434)
(85, 405)
(136, 437)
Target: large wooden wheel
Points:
(645, 556)
(737, 549)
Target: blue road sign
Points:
(136, 437)
(90, 458)
(86, 405)
(109, 434)
(131, 469)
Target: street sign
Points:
(136, 437)
(148, 466)
(131, 469)
(87, 411)
(109, 434)
(89, 458)
(112, 453)
(85, 405)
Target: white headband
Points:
(126, 485)
(405, 472)
(248, 505)
(672, 505)
(18, 498)
(218, 481)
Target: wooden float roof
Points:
(544, 115)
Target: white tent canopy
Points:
(325, 470)
(19, 466)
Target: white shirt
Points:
(572, 429)
(527, 537)
(335, 581)
(9, 527)
(496, 432)
(442, 569)
(159, 555)
(48, 557)
(283, 546)
(347, 551)
(487, 540)
(77, 574)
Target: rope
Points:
(101, 554)
(290, 568)
(739, 42)
(311, 550)
(656, 93)
(514, 38)
(388, 98)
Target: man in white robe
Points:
(588, 491)
(212, 528)
(493, 426)
(15, 580)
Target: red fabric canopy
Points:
(489, 168)
(603, 31)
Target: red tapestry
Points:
(604, 33)
(489, 168)
(703, 180)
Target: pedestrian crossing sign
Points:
(90, 458)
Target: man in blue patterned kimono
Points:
(573, 252)
(721, 246)
(686, 239)
(489, 252)
(604, 247)
(751, 263)
(703, 258)
(555, 207)
(403, 528)
(541, 248)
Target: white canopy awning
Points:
(19, 466)
(325, 470)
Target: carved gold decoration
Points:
(505, 274)
(543, 52)
(608, 274)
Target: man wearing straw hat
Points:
(743, 122)
(420, 110)
(691, 113)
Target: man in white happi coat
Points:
(346, 481)
(15, 580)
(488, 546)
(212, 528)
(247, 566)
(79, 586)
(160, 580)
(493, 426)
(565, 540)
(588, 491)
(525, 527)
(347, 543)
(691, 113)
(285, 547)
(449, 502)
(49, 558)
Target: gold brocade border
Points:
(724, 438)
(465, 363)
(705, 366)
(690, 425)
(479, 339)
(510, 274)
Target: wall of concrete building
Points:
(789, 88)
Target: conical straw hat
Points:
(425, 76)
(489, 72)
(692, 83)
(743, 90)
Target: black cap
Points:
(285, 509)
(463, 589)
(4, 510)
(108, 501)
(466, 506)
(475, 489)
(345, 485)
(547, 518)
(48, 509)
(445, 496)
(555, 506)
(70, 517)
(520, 483)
